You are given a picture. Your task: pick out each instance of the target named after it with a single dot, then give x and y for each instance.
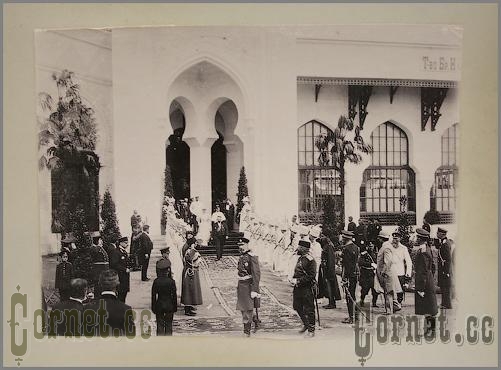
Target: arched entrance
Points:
(204, 101)
(177, 154)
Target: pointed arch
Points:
(443, 193)
(389, 177)
(317, 177)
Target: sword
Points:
(316, 304)
(348, 294)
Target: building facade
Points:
(259, 97)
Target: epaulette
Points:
(310, 258)
(364, 252)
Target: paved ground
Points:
(218, 316)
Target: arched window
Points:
(444, 190)
(389, 178)
(317, 177)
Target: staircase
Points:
(230, 246)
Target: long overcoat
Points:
(424, 268)
(328, 286)
(444, 264)
(120, 262)
(191, 290)
(249, 276)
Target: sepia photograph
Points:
(278, 182)
(235, 185)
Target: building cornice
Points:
(305, 80)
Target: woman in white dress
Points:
(204, 228)
(173, 241)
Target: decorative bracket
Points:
(365, 94)
(317, 90)
(353, 96)
(431, 101)
(393, 90)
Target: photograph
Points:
(290, 182)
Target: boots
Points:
(430, 323)
(256, 324)
(247, 329)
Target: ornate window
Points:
(444, 190)
(317, 177)
(389, 177)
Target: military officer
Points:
(425, 298)
(120, 263)
(350, 255)
(164, 260)
(304, 281)
(249, 275)
(100, 261)
(444, 267)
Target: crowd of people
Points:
(363, 256)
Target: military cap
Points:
(383, 235)
(422, 233)
(166, 249)
(347, 234)
(441, 230)
(163, 264)
(304, 243)
(64, 251)
(396, 233)
(123, 239)
(245, 238)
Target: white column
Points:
(200, 169)
(353, 177)
(423, 186)
(234, 161)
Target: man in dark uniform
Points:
(135, 241)
(64, 274)
(164, 297)
(100, 261)
(145, 248)
(164, 259)
(349, 256)
(219, 233)
(425, 298)
(444, 267)
(120, 263)
(304, 281)
(249, 275)
(360, 233)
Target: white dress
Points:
(204, 229)
(177, 262)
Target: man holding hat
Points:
(304, 281)
(249, 275)
(350, 255)
(120, 263)
(444, 267)
(425, 298)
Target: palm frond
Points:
(46, 101)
